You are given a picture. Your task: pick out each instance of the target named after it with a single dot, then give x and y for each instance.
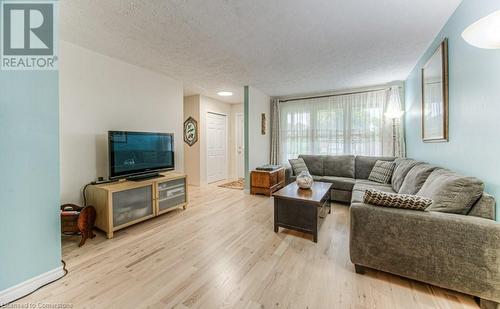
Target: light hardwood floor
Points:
(222, 253)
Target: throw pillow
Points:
(404, 201)
(298, 166)
(451, 192)
(382, 171)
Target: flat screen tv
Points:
(135, 154)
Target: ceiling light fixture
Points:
(225, 93)
(484, 33)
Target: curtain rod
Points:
(333, 95)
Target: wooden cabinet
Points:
(267, 182)
(132, 205)
(125, 203)
(171, 194)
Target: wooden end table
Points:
(267, 182)
(299, 209)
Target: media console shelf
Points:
(124, 203)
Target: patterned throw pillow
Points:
(404, 201)
(298, 165)
(382, 171)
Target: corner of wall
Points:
(246, 111)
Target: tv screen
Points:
(135, 153)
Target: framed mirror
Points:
(435, 96)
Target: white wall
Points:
(259, 145)
(99, 93)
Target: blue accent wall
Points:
(474, 106)
(30, 241)
(246, 112)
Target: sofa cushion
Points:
(403, 166)
(362, 185)
(298, 166)
(315, 178)
(358, 194)
(364, 165)
(394, 200)
(415, 178)
(314, 164)
(484, 207)
(451, 192)
(340, 166)
(382, 172)
(340, 183)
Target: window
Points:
(347, 124)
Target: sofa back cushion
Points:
(484, 207)
(451, 192)
(339, 166)
(415, 178)
(314, 164)
(364, 165)
(298, 166)
(403, 166)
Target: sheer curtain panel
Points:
(275, 132)
(344, 124)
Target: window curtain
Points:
(275, 132)
(344, 124)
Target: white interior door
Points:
(216, 147)
(240, 146)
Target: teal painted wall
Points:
(30, 242)
(246, 111)
(474, 106)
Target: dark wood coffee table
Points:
(299, 209)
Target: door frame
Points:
(236, 144)
(226, 170)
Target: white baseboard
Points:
(28, 286)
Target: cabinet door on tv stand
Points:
(132, 205)
(171, 194)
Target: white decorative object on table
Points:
(304, 180)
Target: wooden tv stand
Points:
(124, 203)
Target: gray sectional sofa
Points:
(344, 172)
(456, 247)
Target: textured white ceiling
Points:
(282, 47)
